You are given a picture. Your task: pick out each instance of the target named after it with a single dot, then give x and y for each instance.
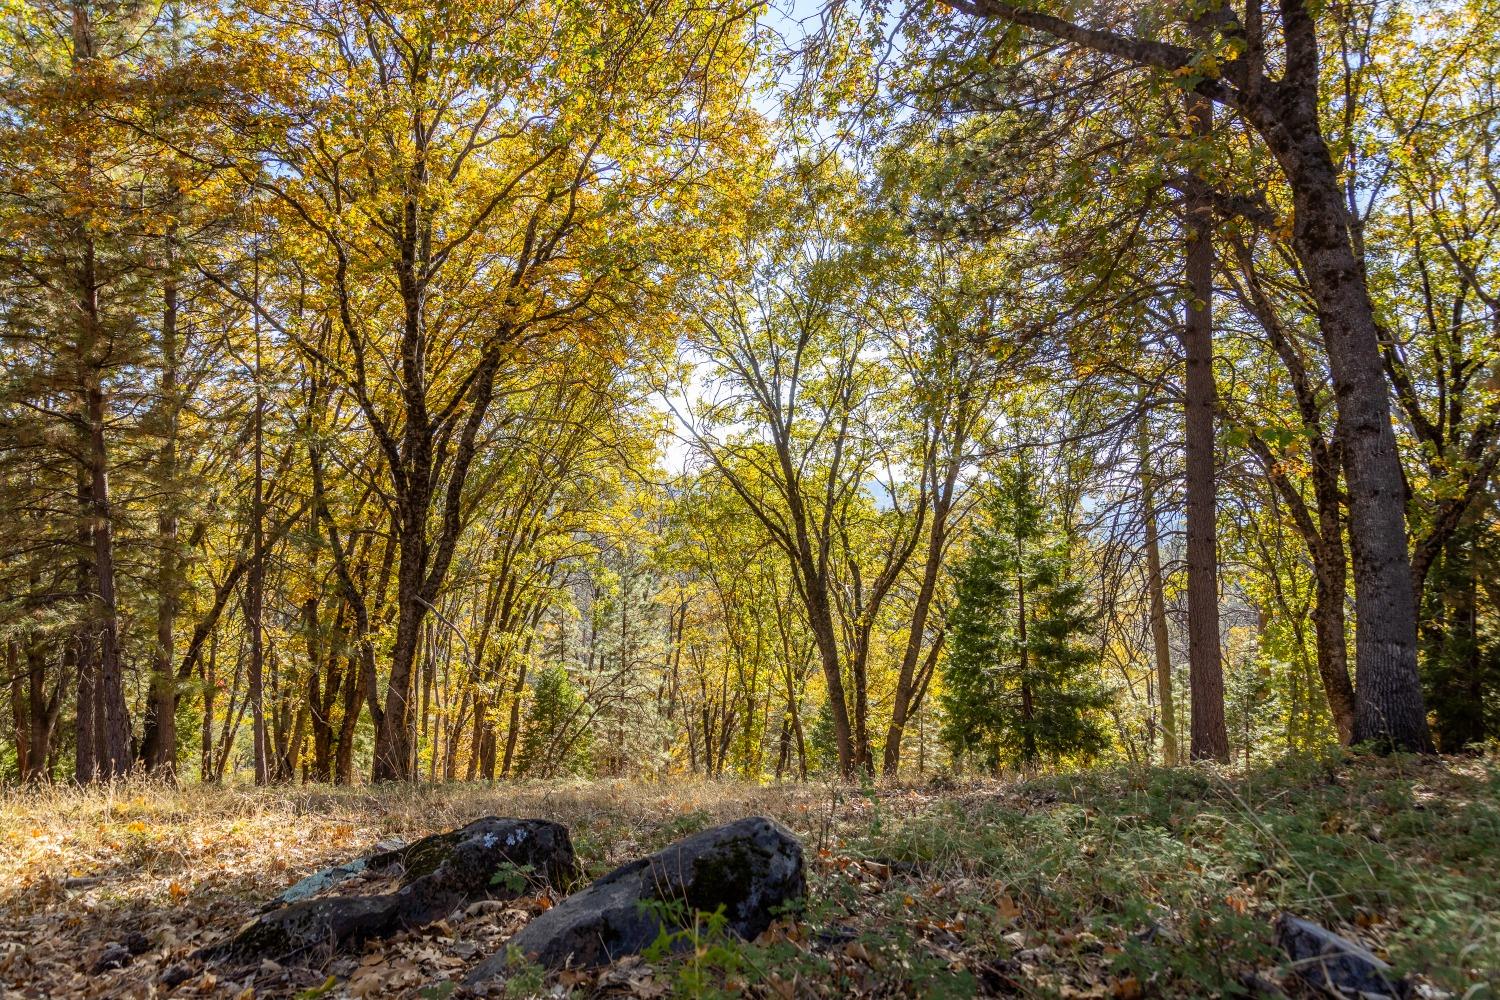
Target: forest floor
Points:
(1108, 884)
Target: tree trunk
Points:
(393, 739)
(210, 670)
(905, 680)
(256, 583)
(343, 756)
(513, 730)
(1210, 739)
(820, 617)
(43, 709)
(79, 656)
(1389, 709)
(1028, 708)
(159, 742)
(110, 717)
(20, 719)
(1332, 642)
(1155, 587)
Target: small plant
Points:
(714, 957)
(513, 877)
(684, 825)
(321, 990)
(523, 978)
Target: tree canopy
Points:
(428, 391)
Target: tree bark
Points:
(256, 583)
(159, 740)
(1210, 739)
(112, 719)
(43, 709)
(1155, 587)
(20, 718)
(1390, 711)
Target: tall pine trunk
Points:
(159, 745)
(1210, 738)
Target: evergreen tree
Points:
(1019, 684)
(556, 734)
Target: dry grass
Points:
(82, 868)
(1111, 884)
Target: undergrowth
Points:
(1112, 883)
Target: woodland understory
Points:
(1042, 452)
(1119, 883)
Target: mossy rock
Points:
(441, 873)
(751, 869)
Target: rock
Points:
(1335, 965)
(751, 868)
(489, 858)
(114, 956)
(176, 974)
(82, 882)
(318, 882)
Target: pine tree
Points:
(1019, 684)
(555, 740)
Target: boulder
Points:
(1335, 965)
(118, 954)
(751, 868)
(490, 858)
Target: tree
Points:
(511, 162)
(1019, 686)
(1229, 65)
(787, 342)
(555, 740)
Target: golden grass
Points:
(185, 865)
(149, 841)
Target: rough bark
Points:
(1209, 737)
(1389, 708)
(159, 741)
(1390, 712)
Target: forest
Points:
(1041, 454)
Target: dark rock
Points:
(750, 868)
(834, 935)
(491, 858)
(1258, 985)
(114, 956)
(82, 882)
(176, 974)
(1335, 965)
